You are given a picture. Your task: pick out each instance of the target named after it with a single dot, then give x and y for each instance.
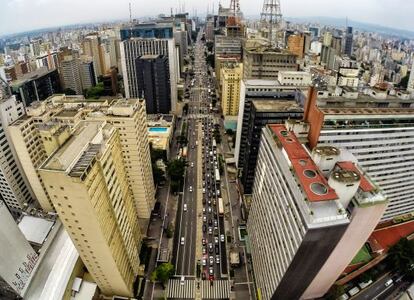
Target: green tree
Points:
(96, 91)
(404, 81)
(164, 272)
(401, 257)
(169, 231)
(229, 131)
(210, 46)
(176, 169)
(157, 174)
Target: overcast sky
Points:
(23, 15)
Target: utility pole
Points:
(271, 21)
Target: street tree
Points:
(401, 257)
(164, 272)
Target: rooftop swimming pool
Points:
(158, 129)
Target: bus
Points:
(220, 207)
(217, 176)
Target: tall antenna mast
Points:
(271, 20)
(130, 13)
(235, 7)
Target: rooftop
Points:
(277, 105)
(31, 76)
(364, 185)
(35, 229)
(367, 111)
(313, 183)
(67, 113)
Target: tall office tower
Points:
(110, 82)
(382, 140)
(136, 47)
(251, 90)
(265, 63)
(349, 41)
(263, 111)
(327, 39)
(210, 30)
(17, 256)
(35, 48)
(300, 232)
(315, 32)
(154, 83)
(14, 188)
(71, 74)
(87, 74)
(296, 45)
(36, 86)
(88, 184)
(271, 22)
(410, 85)
(230, 82)
(91, 47)
(226, 49)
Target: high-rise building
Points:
(48, 124)
(230, 82)
(296, 45)
(253, 89)
(14, 188)
(306, 210)
(148, 31)
(410, 85)
(71, 75)
(87, 180)
(380, 138)
(17, 257)
(154, 83)
(349, 41)
(136, 47)
(91, 46)
(263, 111)
(36, 86)
(87, 74)
(262, 62)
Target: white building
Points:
(309, 215)
(410, 86)
(18, 259)
(14, 188)
(294, 78)
(133, 48)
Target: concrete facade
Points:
(230, 80)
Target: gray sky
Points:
(22, 15)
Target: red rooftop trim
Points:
(365, 185)
(313, 183)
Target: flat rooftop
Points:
(367, 111)
(73, 151)
(67, 113)
(35, 229)
(31, 76)
(276, 105)
(313, 183)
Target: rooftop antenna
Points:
(271, 19)
(130, 13)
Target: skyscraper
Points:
(154, 83)
(88, 184)
(230, 82)
(300, 232)
(71, 74)
(410, 85)
(14, 188)
(91, 46)
(136, 47)
(349, 41)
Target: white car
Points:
(192, 165)
(182, 240)
(190, 189)
(185, 207)
(211, 260)
(204, 190)
(217, 260)
(216, 240)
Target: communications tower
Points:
(271, 22)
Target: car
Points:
(215, 223)
(185, 207)
(217, 249)
(204, 241)
(182, 280)
(204, 250)
(211, 271)
(211, 260)
(218, 193)
(217, 260)
(182, 240)
(204, 228)
(389, 282)
(204, 190)
(204, 262)
(203, 276)
(191, 188)
(204, 210)
(209, 209)
(222, 238)
(216, 240)
(210, 230)
(192, 164)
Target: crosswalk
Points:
(220, 289)
(177, 290)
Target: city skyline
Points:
(42, 14)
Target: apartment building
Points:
(14, 188)
(381, 138)
(310, 214)
(87, 181)
(230, 81)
